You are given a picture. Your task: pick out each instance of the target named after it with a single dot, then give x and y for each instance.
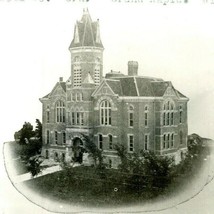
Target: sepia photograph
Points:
(107, 106)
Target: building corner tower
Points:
(86, 51)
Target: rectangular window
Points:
(78, 118)
(73, 118)
(168, 139)
(109, 118)
(81, 118)
(69, 119)
(110, 142)
(180, 117)
(56, 137)
(48, 136)
(164, 141)
(48, 116)
(146, 119)
(168, 119)
(146, 142)
(172, 140)
(64, 137)
(164, 118)
(131, 143)
(131, 119)
(100, 141)
(172, 118)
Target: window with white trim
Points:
(105, 113)
(100, 141)
(60, 112)
(168, 113)
(131, 143)
(48, 116)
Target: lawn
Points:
(88, 186)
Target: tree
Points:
(92, 149)
(25, 133)
(38, 130)
(33, 165)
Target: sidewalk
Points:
(27, 176)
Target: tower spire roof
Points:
(86, 32)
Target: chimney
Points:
(61, 79)
(132, 68)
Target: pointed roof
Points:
(86, 32)
(88, 79)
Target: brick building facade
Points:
(142, 113)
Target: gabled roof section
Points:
(115, 86)
(86, 32)
(159, 87)
(128, 86)
(57, 85)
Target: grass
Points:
(87, 186)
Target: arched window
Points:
(131, 116)
(110, 140)
(60, 112)
(146, 110)
(105, 113)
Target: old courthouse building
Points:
(142, 113)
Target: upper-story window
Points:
(172, 140)
(60, 112)
(168, 113)
(77, 117)
(48, 114)
(131, 116)
(97, 69)
(105, 113)
(180, 114)
(146, 111)
(78, 96)
(77, 72)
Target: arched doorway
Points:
(77, 150)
